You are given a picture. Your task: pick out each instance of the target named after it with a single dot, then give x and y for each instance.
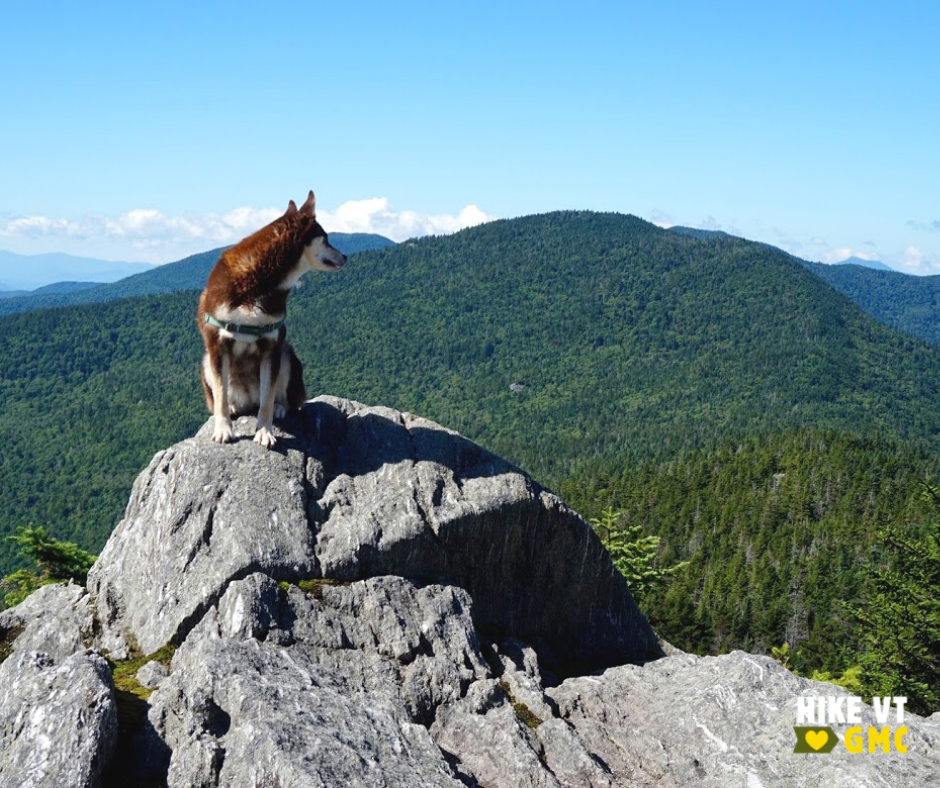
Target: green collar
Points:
(237, 328)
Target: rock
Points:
(56, 620)
(719, 721)
(151, 675)
(353, 492)
(386, 682)
(58, 720)
(333, 689)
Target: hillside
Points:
(634, 346)
(56, 288)
(189, 273)
(777, 530)
(908, 303)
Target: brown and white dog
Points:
(248, 365)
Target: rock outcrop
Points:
(379, 602)
(355, 492)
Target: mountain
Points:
(56, 288)
(907, 303)
(27, 272)
(585, 347)
(873, 264)
(189, 273)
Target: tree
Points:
(633, 554)
(902, 617)
(56, 561)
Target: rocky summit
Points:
(380, 602)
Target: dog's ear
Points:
(291, 208)
(310, 205)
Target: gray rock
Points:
(151, 675)
(56, 620)
(58, 720)
(726, 721)
(341, 695)
(354, 492)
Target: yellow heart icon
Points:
(817, 739)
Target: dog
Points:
(248, 365)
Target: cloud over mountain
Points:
(147, 233)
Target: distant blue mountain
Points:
(873, 264)
(56, 288)
(27, 272)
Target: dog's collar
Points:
(238, 328)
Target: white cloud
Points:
(914, 261)
(844, 253)
(146, 233)
(661, 218)
(376, 215)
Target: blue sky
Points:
(149, 131)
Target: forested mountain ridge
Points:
(633, 347)
(190, 273)
(907, 303)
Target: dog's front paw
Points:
(265, 438)
(224, 433)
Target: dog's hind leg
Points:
(204, 374)
(270, 367)
(296, 393)
(217, 368)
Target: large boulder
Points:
(352, 492)
(56, 619)
(58, 720)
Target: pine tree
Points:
(56, 561)
(902, 617)
(633, 554)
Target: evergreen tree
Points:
(633, 554)
(56, 561)
(902, 617)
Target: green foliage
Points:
(901, 616)
(778, 532)
(526, 716)
(131, 700)
(60, 561)
(851, 679)
(634, 555)
(20, 584)
(56, 561)
(782, 654)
